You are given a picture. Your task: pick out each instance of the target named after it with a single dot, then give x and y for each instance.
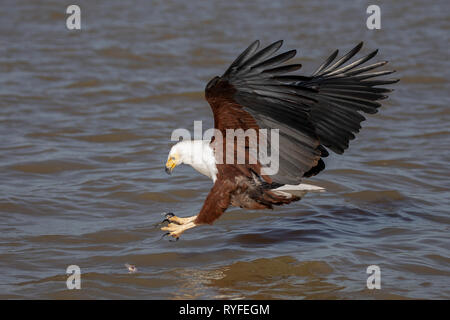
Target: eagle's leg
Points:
(175, 230)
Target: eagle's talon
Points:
(166, 219)
(171, 234)
(165, 234)
(169, 214)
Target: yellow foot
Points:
(178, 225)
(175, 230)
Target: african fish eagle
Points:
(313, 114)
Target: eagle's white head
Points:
(196, 153)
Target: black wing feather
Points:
(311, 112)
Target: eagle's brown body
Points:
(238, 188)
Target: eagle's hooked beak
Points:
(170, 164)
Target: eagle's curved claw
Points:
(169, 214)
(166, 219)
(165, 234)
(168, 234)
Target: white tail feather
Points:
(297, 190)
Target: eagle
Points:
(312, 115)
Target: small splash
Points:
(131, 268)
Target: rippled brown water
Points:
(85, 124)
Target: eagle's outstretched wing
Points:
(313, 113)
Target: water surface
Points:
(85, 124)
